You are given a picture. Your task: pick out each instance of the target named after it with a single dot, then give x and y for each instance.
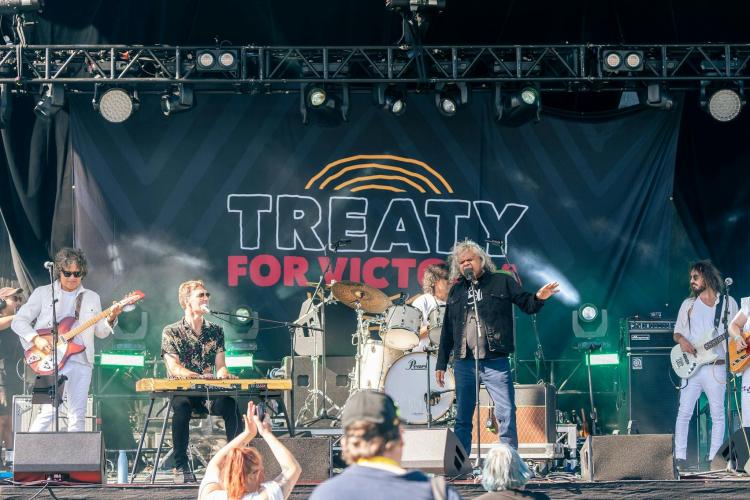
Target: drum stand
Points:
(358, 340)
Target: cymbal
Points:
(370, 299)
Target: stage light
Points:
(391, 99)
(50, 102)
(449, 97)
(657, 96)
(589, 321)
(602, 359)
(116, 105)
(18, 6)
(518, 107)
(724, 104)
(615, 60)
(239, 360)
(180, 98)
(243, 328)
(122, 359)
(327, 105)
(216, 60)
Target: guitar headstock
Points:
(131, 298)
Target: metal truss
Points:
(263, 69)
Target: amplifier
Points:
(24, 413)
(645, 335)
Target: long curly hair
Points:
(67, 256)
(433, 274)
(243, 472)
(468, 246)
(710, 275)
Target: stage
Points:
(558, 486)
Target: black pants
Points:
(182, 407)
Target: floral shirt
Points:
(195, 350)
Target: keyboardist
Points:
(194, 348)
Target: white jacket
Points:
(39, 308)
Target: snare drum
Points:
(401, 327)
(376, 359)
(435, 319)
(406, 383)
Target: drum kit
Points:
(384, 340)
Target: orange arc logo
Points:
(383, 172)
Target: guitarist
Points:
(736, 327)
(700, 313)
(73, 300)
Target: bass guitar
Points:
(686, 365)
(739, 358)
(43, 364)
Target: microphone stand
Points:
(55, 338)
(731, 466)
(478, 335)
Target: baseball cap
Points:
(7, 291)
(371, 406)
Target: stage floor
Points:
(698, 486)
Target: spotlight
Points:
(449, 97)
(179, 98)
(589, 321)
(131, 329)
(329, 106)
(52, 99)
(614, 61)
(391, 99)
(724, 104)
(657, 96)
(216, 60)
(519, 107)
(116, 105)
(243, 330)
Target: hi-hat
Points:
(370, 299)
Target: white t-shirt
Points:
(695, 319)
(272, 488)
(426, 303)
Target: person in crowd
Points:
(505, 475)
(11, 384)
(372, 446)
(700, 314)
(236, 471)
(480, 287)
(73, 300)
(194, 348)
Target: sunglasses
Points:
(203, 294)
(68, 274)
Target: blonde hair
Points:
(186, 288)
(433, 274)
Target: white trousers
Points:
(745, 398)
(75, 396)
(709, 379)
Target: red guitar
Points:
(43, 363)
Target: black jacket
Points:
(499, 292)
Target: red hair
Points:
(240, 468)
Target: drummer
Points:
(435, 287)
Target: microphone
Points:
(728, 281)
(499, 243)
(49, 265)
(341, 243)
(469, 275)
(205, 309)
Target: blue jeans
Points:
(496, 376)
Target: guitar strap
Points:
(717, 313)
(79, 300)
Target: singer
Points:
(700, 315)
(476, 280)
(194, 348)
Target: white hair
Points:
(468, 246)
(504, 469)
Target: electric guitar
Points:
(43, 364)
(685, 365)
(739, 358)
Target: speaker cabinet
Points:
(313, 453)
(61, 456)
(435, 451)
(535, 415)
(638, 456)
(740, 452)
(337, 377)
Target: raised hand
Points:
(548, 290)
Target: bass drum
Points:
(406, 383)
